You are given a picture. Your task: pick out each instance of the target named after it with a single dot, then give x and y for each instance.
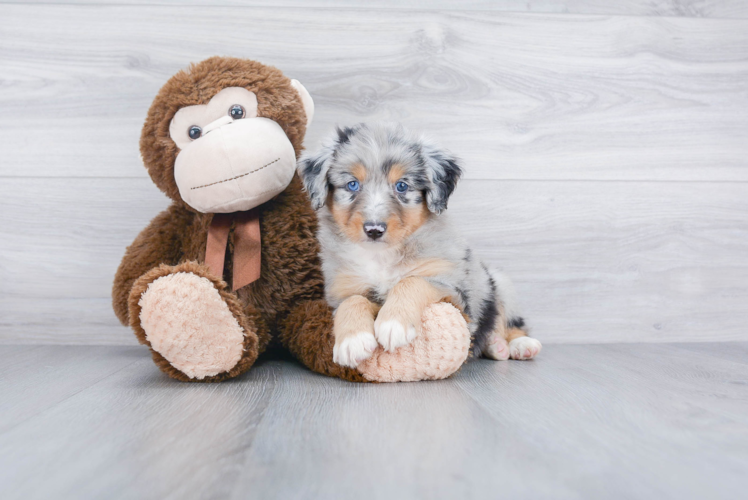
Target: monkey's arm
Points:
(159, 243)
(307, 333)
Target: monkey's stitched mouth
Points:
(238, 176)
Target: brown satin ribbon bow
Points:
(247, 245)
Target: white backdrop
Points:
(605, 144)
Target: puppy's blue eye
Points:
(401, 187)
(353, 186)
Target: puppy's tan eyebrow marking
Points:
(359, 172)
(396, 172)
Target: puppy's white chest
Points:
(380, 269)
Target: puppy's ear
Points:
(443, 172)
(313, 168)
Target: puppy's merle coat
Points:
(381, 191)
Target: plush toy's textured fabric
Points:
(307, 333)
(438, 352)
(188, 323)
(253, 327)
(176, 239)
(173, 302)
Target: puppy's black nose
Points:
(374, 230)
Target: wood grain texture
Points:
(35, 378)
(183, 431)
(606, 156)
(679, 8)
(518, 96)
(580, 421)
(592, 261)
(737, 353)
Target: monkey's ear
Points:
(313, 170)
(306, 100)
(443, 172)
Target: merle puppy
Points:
(389, 251)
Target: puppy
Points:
(388, 251)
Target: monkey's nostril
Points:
(375, 230)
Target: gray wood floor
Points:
(582, 421)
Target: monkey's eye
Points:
(236, 112)
(195, 132)
(353, 186)
(401, 187)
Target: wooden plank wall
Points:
(605, 143)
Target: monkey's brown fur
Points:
(284, 304)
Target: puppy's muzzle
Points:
(374, 230)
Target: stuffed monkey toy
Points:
(231, 266)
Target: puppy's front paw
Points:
(354, 349)
(392, 334)
(524, 348)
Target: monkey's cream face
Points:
(230, 159)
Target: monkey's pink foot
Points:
(188, 323)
